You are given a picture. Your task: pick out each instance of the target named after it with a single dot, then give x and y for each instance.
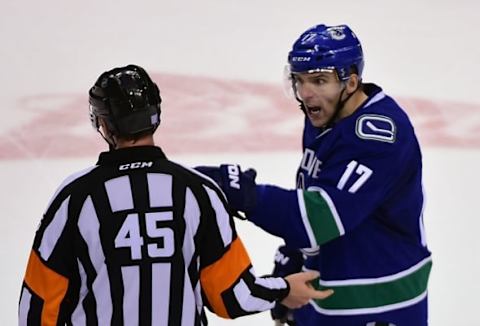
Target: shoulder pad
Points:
(376, 127)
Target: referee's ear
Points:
(107, 134)
(104, 128)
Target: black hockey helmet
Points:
(127, 99)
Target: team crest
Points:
(376, 127)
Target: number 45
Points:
(129, 235)
(360, 169)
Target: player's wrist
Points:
(283, 293)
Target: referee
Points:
(138, 239)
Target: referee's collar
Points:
(130, 154)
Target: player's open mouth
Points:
(314, 110)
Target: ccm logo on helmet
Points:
(301, 59)
(136, 165)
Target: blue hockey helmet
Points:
(327, 48)
(127, 99)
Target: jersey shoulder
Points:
(380, 124)
(73, 178)
(376, 127)
(194, 178)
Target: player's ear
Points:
(352, 83)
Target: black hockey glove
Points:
(287, 261)
(238, 186)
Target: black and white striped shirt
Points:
(140, 240)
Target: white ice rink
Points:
(219, 65)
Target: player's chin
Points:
(317, 122)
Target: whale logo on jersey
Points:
(376, 127)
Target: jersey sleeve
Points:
(46, 297)
(227, 277)
(350, 186)
(47, 278)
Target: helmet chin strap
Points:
(340, 104)
(338, 107)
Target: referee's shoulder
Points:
(71, 184)
(76, 177)
(195, 176)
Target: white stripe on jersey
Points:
(206, 177)
(363, 311)
(161, 274)
(188, 306)
(154, 217)
(24, 307)
(191, 216)
(54, 230)
(423, 236)
(131, 295)
(306, 223)
(379, 96)
(223, 219)
(78, 316)
(160, 189)
(198, 292)
(331, 206)
(192, 220)
(119, 193)
(270, 282)
(69, 180)
(248, 302)
(89, 227)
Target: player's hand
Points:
(287, 261)
(301, 291)
(239, 187)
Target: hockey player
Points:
(357, 211)
(138, 239)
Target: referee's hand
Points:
(301, 291)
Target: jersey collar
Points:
(374, 93)
(130, 154)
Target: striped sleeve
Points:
(43, 292)
(228, 280)
(46, 283)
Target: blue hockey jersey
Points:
(357, 210)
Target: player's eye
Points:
(319, 80)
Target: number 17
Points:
(363, 171)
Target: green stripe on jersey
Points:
(376, 293)
(321, 217)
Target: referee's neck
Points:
(146, 140)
